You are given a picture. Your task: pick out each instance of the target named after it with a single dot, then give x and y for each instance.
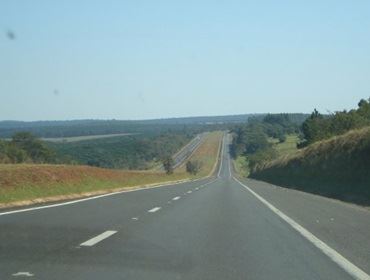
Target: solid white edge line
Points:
(229, 162)
(98, 238)
(221, 156)
(176, 198)
(155, 209)
(94, 197)
(345, 264)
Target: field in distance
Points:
(84, 138)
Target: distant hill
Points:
(101, 127)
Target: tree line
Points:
(318, 127)
(25, 147)
(251, 139)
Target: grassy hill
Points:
(338, 167)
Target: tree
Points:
(33, 147)
(16, 155)
(316, 127)
(193, 167)
(168, 165)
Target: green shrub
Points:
(193, 167)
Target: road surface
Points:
(216, 228)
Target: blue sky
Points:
(153, 59)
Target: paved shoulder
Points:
(344, 227)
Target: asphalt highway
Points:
(215, 228)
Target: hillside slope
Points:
(338, 167)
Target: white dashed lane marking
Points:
(176, 198)
(23, 274)
(97, 239)
(155, 209)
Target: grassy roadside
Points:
(37, 183)
(241, 166)
(288, 146)
(337, 167)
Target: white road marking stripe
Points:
(229, 163)
(221, 156)
(345, 264)
(135, 218)
(97, 239)
(26, 274)
(196, 189)
(189, 191)
(155, 209)
(176, 198)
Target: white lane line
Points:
(155, 209)
(135, 218)
(176, 198)
(229, 162)
(345, 264)
(221, 156)
(197, 189)
(189, 192)
(21, 273)
(97, 239)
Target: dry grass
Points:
(206, 153)
(21, 182)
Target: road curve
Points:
(210, 229)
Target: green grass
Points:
(64, 189)
(241, 166)
(288, 146)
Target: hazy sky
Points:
(135, 59)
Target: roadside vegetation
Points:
(32, 183)
(337, 167)
(328, 155)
